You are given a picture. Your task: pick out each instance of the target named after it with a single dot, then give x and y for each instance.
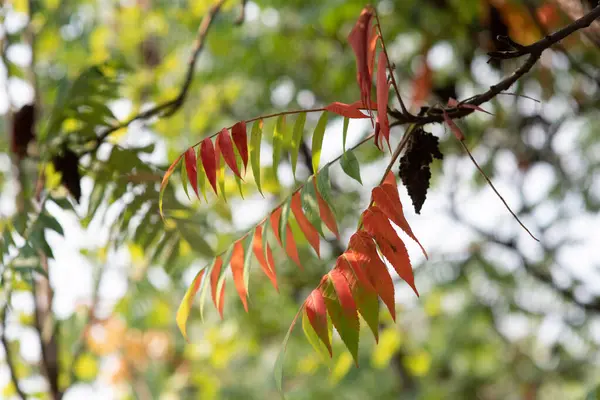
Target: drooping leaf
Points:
(215, 274)
(453, 127)
(225, 145)
(326, 214)
(220, 171)
(237, 269)
(278, 368)
(247, 259)
(422, 84)
(324, 187)
(296, 138)
(361, 242)
(372, 37)
(290, 247)
(347, 326)
(274, 219)
(283, 221)
(386, 197)
(452, 102)
(317, 140)
(278, 135)
(255, 140)
(383, 91)
(201, 175)
(240, 138)
(356, 263)
(207, 154)
(392, 247)
(313, 338)
(190, 167)
(359, 40)
(184, 180)
(164, 183)
(310, 232)
(345, 110)
(368, 307)
(311, 205)
(351, 166)
(257, 247)
(342, 289)
(315, 310)
(345, 132)
(183, 312)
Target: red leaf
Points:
(375, 269)
(390, 179)
(326, 214)
(257, 246)
(290, 246)
(342, 289)
(422, 84)
(362, 106)
(392, 247)
(191, 169)
(214, 281)
(240, 138)
(356, 262)
(345, 110)
(226, 147)
(207, 154)
(311, 234)
(316, 312)
(373, 35)
(359, 40)
(454, 103)
(274, 221)
(387, 199)
(453, 127)
(383, 91)
(237, 269)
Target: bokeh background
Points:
(500, 316)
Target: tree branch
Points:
(8, 353)
(534, 50)
(170, 107)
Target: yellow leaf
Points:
(418, 364)
(389, 342)
(341, 367)
(86, 367)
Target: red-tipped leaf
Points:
(240, 138)
(165, 181)
(191, 169)
(290, 246)
(316, 312)
(345, 110)
(274, 222)
(237, 269)
(207, 155)
(359, 40)
(225, 145)
(257, 247)
(342, 289)
(383, 90)
(183, 312)
(214, 282)
(311, 234)
(326, 213)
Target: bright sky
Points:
(444, 239)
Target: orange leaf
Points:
(390, 179)
(326, 213)
(165, 180)
(226, 147)
(362, 106)
(314, 306)
(290, 246)
(359, 40)
(392, 247)
(342, 289)
(311, 234)
(345, 110)
(422, 84)
(383, 91)
(274, 221)
(387, 199)
(183, 312)
(237, 269)
(371, 47)
(453, 127)
(257, 246)
(356, 262)
(375, 269)
(191, 169)
(240, 138)
(207, 154)
(214, 281)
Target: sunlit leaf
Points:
(317, 140)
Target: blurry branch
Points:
(170, 107)
(574, 63)
(8, 352)
(534, 51)
(575, 9)
(242, 16)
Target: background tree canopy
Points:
(100, 97)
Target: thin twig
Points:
(534, 50)
(242, 16)
(464, 146)
(169, 108)
(8, 353)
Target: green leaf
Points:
(348, 328)
(49, 222)
(317, 140)
(345, 132)
(248, 258)
(297, 138)
(278, 368)
(278, 135)
(283, 221)
(310, 205)
(367, 303)
(184, 180)
(255, 139)
(324, 187)
(314, 339)
(183, 312)
(351, 166)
